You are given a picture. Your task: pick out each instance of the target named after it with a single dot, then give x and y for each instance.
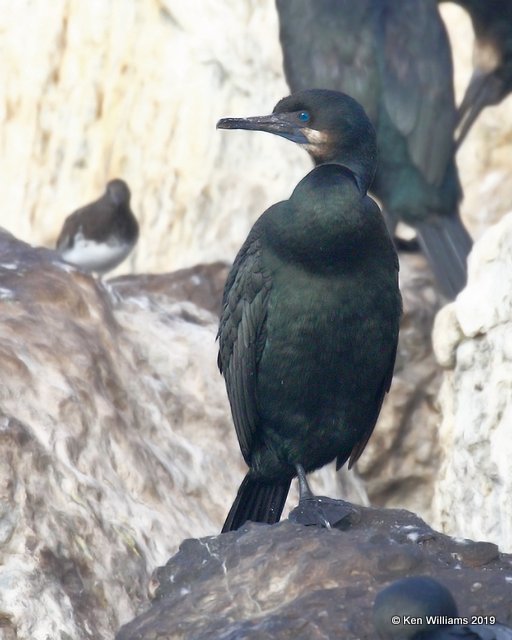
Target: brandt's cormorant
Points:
(491, 81)
(99, 236)
(393, 56)
(311, 309)
(421, 608)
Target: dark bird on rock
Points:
(99, 236)
(421, 608)
(491, 80)
(311, 309)
(393, 56)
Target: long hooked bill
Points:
(277, 123)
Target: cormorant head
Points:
(118, 192)
(330, 125)
(416, 597)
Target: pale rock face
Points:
(473, 339)
(103, 409)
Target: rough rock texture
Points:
(289, 581)
(473, 340)
(106, 459)
(155, 76)
(115, 432)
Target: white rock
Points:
(474, 484)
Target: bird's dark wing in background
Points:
(417, 89)
(242, 337)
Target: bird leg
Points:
(320, 511)
(305, 492)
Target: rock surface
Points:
(473, 340)
(113, 430)
(287, 581)
(202, 285)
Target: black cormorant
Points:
(99, 236)
(394, 57)
(311, 309)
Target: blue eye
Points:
(303, 116)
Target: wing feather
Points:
(417, 87)
(242, 336)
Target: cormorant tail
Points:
(446, 244)
(257, 501)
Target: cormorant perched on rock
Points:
(311, 309)
(99, 236)
(394, 57)
(434, 611)
(491, 81)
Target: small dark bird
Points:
(434, 611)
(394, 57)
(99, 236)
(311, 309)
(491, 81)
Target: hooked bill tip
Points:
(228, 123)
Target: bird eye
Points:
(303, 116)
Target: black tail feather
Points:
(446, 244)
(257, 501)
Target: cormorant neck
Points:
(363, 171)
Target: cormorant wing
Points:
(242, 336)
(417, 89)
(383, 389)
